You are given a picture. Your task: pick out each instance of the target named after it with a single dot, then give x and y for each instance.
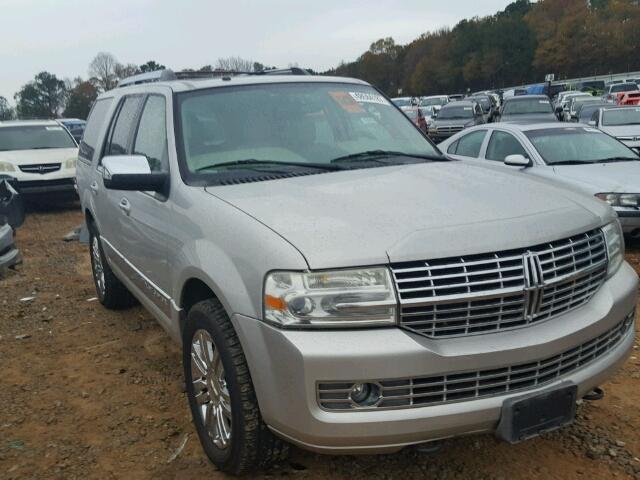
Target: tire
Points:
(110, 290)
(240, 442)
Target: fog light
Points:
(365, 394)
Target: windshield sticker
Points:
(54, 129)
(544, 102)
(361, 97)
(468, 108)
(346, 102)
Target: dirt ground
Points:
(90, 393)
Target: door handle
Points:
(94, 187)
(124, 205)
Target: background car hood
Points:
(622, 177)
(30, 157)
(412, 212)
(529, 118)
(454, 122)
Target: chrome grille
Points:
(40, 168)
(455, 387)
(497, 291)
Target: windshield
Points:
(621, 116)
(428, 102)
(35, 137)
(453, 112)
(586, 111)
(624, 87)
(530, 105)
(402, 102)
(295, 123)
(577, 144)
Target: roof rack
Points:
(168, 75)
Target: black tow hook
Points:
(595, 394)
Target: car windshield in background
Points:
(533, 105)
(484, 102)
(575, 145)
(624, 87)
(429, 102)
(454, 112)
(621, 116)
(295, 123)
(402, 102)
(34, 137)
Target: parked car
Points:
(417, 116)
(453, 118)
(40, 155)
(11, 217)
(456, 97)
(75, 126)
(333, 280)
(578, 157)
(628, 98)
(612, 89)
(487, 103)
(620, 122)
(434, 101)
(562, 103)
(586, 110)
(405, 101)
(571, 114)
(526, 108)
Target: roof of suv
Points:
(37, 123)
(198, 84)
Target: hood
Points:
(619, 177)
(411, 212)
(622, 130)
(529, 118)
(45, 155)
(454, 122)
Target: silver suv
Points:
(334, 281)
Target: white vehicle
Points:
(40, 155)
(435, 101)
(578, 157)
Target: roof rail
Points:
(167, 75)
(149, 77)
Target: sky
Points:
(63, 36)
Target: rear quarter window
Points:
(95, 123)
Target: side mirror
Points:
(132, 172)
(559, 109)
(517, 160)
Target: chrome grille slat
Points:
(41, 168)
(464, 386)
(501, 290)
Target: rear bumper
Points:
(286, 367)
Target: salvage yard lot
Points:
(91, 393)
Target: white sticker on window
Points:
(53, 128)
(362, 97)
(467, 108)
(543, 101)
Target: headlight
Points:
(6, 167)
(615, 246)
(70, 163)
(620, 199)
(340, 298)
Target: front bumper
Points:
(286, 366)
(59, 185)
(9, 254)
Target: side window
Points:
(452, 148)
(151, 139)
(469, 145)
(95, 122)
(502, 144)
(122, 129)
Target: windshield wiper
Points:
(374, 156)
(617, 159)
(572, 162)
(251, 163)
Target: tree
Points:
(103, 69)
(6, 111)
(151, 66)
(124, 71)
(80, 98)
(234, 64)
(44, 97)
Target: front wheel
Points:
(221, 396)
